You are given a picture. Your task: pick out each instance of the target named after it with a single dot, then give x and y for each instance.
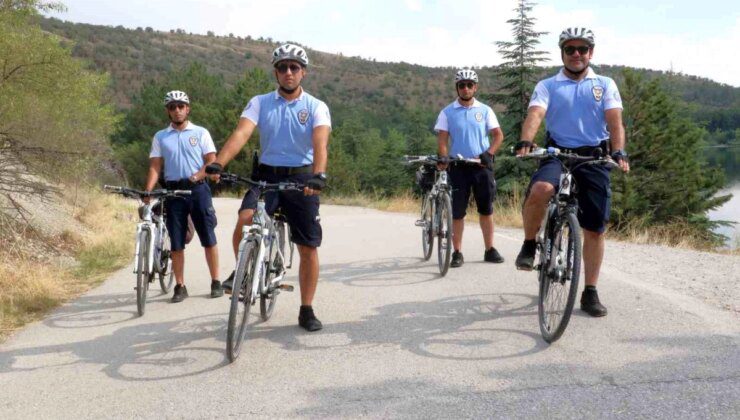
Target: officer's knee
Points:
(245, 218)
(540, 192)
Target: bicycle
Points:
(436, 208)
(261, 263)
(559, 244)
(152, 255)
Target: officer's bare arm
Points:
(535, 114)
(442, 137)
(155, 168)
(497, 134)
(236, 141)
(320, 140)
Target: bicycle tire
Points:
(272, 269)
(558, 291)
(241, 300)
(166, 275)
(427, 235)
(142, 274)
(444, 236)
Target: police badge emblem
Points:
(479, 116)
(598, 92)
(303, 116)
(193, 141)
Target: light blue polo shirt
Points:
(286, 127)
(575, 110)
(182, 151)
(468, 127)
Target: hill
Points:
(348, 84)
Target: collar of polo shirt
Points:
(560, 77)
(475, 104)
(187, 127)
(299, 98)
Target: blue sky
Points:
(695, 38)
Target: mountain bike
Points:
(261, 263)
(559, 244)
(436, 207)
(152, 254)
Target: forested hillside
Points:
(377, 91)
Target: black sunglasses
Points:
(283, 68)
(570, 50)
(468, 85)
(172, 107)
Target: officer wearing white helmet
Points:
(184, 149)
(583, 114)
(294, 131)
(466, 125)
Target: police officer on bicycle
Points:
(184, 149)
(294, 132)
(583, 115)
(466, 124)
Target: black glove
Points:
(620, 155)
(522, 144)
(214, 168)
(486, 159)
(443, 159)
(317, 182)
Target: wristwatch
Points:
(619, 154)
(321, 175)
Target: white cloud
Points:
(413, 5)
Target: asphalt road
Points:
(398, 341)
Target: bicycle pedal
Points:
(420, 223)
(286, 287)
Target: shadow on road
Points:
(381, 273)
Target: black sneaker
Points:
(492, 256)
(228, 284)
(590, 303)
(525, 259)
(308, 320)
(457, 259)
(216, 289)
(181, 292)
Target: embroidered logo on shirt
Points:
(598, 92)
(303, 116)
(534, 96)
(193, 141)
(479, 116)
(616, 96)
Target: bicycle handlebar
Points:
(231, 178)
(434, 159)
(554, 152)
(132, 193)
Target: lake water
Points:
(729, 160)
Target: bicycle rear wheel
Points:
(273, 269)
(166, 277)
(142, 272)
(427, 235)
(559, 275)
(241, 299)
(444, 235)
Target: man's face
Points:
(576, 55)
(466, 89)
(289, 74)
(178, 112)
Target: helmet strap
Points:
(289, 91)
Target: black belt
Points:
(182, 184)
(582, 151)
(285, 170)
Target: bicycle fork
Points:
(141, 227)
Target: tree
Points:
(670, 181)
(518, 71)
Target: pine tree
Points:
(670, 181)
(519, 70)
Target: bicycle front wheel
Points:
(166, 277)
(427, 233)
(241, 299)
(142, 271)
(559, 274)
(444, 234)
(275, 267)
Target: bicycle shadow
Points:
(381, 273)
(457, 328)
(98, 310)
(157, 351)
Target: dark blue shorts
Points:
(301, 211)
(463, 179)
(594, 191)
(200, 208)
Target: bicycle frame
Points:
(157, 229)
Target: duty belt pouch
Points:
(190, 232)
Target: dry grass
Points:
(38, 274)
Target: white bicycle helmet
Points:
(289, 52)
(466, 74)
(584, 34)
(176, 96)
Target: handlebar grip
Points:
(112, 188)
(182, 192)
